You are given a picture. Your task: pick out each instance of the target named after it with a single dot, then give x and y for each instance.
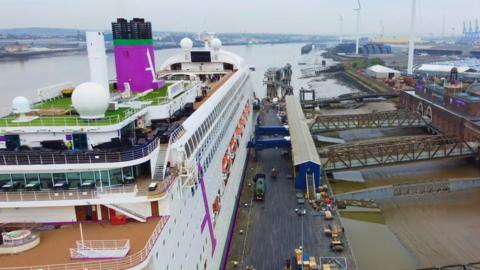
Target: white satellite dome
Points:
(21, 105)
(186, 43)
(216, 43)
(91, 100)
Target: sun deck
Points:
(53, 250)
(58, 111)
(214, 86)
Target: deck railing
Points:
(32, 157)
(59, 195)
(117, 264)
(72, 120)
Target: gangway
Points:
(271, 130)
(388, 119)
(395, 151)
(262, 144)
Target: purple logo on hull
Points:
(207, 219)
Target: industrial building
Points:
(444, 70)
(368, 48)
(382, 72)
(305, 156)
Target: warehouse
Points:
(305, 157)
(382, 72)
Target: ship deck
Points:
(55, 244)
(57, 111)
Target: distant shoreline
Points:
(47, 54)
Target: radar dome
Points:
(91, 100)
(186, 43)
(216, 44)
(21, 105)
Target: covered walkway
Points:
(304, 153)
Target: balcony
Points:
(140, 188)
(49, 157)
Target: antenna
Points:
(411, 43)
(357, 43)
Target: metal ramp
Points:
(395, 151)
(128, 212)
(388, 119)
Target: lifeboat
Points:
(226, 166)
(239, 131)
(243, 122)
(216, 205)
(233, 148)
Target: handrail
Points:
(68, 157)
(67, 121)
(59, 195)
(118, 264)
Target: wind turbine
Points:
(340, 16)
(357, 43)
(382, 29)
(411, 43)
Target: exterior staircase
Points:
(159, 172)
(127, 212)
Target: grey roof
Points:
(303, 147)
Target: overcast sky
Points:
(273, 16)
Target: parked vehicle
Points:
(260, 186)
(274, 173)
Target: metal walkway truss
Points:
(394, 151)
(388, 119)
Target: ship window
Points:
(46, 180)
(187, 150)
(128, 172)
(74, 179)
(59, 177)
(4, 178)
(105, 178)
(86, 177)
(32, 177)
(19, 178)
(115, 177)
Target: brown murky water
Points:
(438, 170)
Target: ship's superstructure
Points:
(150, 166)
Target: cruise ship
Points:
(142, 172)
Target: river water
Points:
(25, 76)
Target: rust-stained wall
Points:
(449, 123)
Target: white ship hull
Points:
(182, 244)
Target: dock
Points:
(267, 232)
